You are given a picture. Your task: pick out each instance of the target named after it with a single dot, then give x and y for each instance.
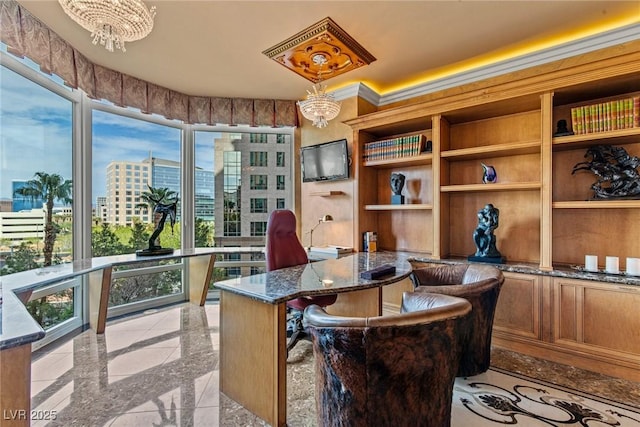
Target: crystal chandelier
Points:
(319, 107)
(112, 22)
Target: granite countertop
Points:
(560, 271)
(17, 327)
(319, 278)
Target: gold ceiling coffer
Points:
(325, 39)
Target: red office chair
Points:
(283, 249)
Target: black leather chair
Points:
(478, 283)
(283, 249)
(396, 370)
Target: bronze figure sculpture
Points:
(485, 240)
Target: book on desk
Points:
(331, 250)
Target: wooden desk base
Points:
(253, 351)
(15, 386)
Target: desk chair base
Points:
(295, 329)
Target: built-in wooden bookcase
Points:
(546, 216)
(376, 213)
(581, 224)
(505, 135)
(547, 219)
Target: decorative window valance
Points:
(25, 35)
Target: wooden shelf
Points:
(622, 136)
(508, 186)
(597, 204)
(398, 207)
(422, 159)
(529, 147)
(327, 193)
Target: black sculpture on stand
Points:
(617, 173)
(485, 240)
(161, 211)
(397, 182)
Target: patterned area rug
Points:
(501, 397)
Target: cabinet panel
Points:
(518, 234)
(602, 316)
(518, 310)
(612, 319)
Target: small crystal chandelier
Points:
(112, 22)
(319, 107)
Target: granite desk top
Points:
(17, 327)
(317, 278)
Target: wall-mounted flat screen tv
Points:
(325, 162)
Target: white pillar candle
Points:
(591, 262)
(612, 264)
(633, 266)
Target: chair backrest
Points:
(394, 370)
(283, 248)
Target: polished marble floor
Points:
(160, 368)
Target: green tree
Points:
(22, 259)
(48, 187)
(105, 242)
(203, 233)
(139, 235)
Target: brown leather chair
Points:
(388, 370)
(478, 283)
(283, 249)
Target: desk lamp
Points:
(325, 218)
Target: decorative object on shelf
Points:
(112, 23)
(562, 129)
(325, 218)
(397, 183)
(591, 263)
(612, 265)
(489, 174)
(616, 170)
(320, 106)
(428, 146)
(161, 210)
(633, 266)
(370, 241)
(485, 240)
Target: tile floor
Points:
(160, 368)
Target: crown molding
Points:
(566, 50)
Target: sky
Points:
(36, 133)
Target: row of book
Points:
(606, 116)
(404, 146)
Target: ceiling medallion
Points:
(326, 39)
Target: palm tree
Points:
(48, 187)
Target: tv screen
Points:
(325, 162)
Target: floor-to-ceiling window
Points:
(36, 190)
(116, 155)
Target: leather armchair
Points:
(388, 370)
(480, 285)
(283, 249)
